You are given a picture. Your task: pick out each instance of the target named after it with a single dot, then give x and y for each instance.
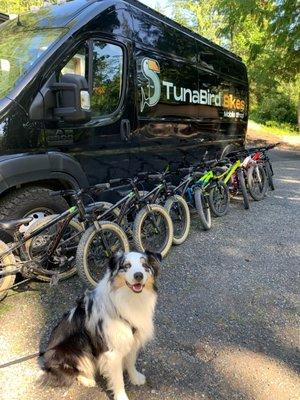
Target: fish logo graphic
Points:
(152, 90)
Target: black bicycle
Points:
(167, 195)
(47, 250)
(147, 224)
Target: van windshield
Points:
(20, 47)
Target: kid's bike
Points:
(47, 249)
(147, 224)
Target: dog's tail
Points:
(55, 373)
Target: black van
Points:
(93, 90)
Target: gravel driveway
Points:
(227, 321)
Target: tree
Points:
(20, 6)
(265, 33)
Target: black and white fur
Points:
(105, 330)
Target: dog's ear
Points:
(115, 261)
(154, 260)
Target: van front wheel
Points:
(33, 201)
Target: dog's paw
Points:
(138, 379)
(86, 381)
(121, 396)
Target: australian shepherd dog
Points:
(105, 330)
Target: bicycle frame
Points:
(70, 213)
(226, 176)
(66, 216)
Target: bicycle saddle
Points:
(14, 223)
(123, 192)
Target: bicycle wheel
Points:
(64, 256)
(153, 230)
(269, 173)
(96, 247)
(257, 182)
(219, 199)
(6, 263)
(180, 215)
(203, 209)
(242, 187)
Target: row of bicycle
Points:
(152, 213)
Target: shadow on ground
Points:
(227, 320)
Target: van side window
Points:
(107, 78)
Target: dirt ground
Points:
(256, 136)
(227, 321)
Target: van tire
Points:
(24, 201)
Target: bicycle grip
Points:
(116, 180)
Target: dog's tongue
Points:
(137, 287)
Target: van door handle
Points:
(125, 129)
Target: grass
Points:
(280, 131)
(275, 130)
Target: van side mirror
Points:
(67, 100)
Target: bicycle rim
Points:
(178, 217)
(154, 232)
(101, 246)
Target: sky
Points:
(152, 3)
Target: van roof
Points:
(179, 27)
(62, 15)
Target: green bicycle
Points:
(211, 190)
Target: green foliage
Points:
(276, 107)
(266, 34)
(21, 6)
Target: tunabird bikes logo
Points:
(152, 91)
(152, 86)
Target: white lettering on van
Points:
(168, 85)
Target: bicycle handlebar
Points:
(116, 180)
(76, 193)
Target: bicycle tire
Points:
(30, 243)
(252, 172)
(242, 186)
(177, 237)
(203, 209)
(217, 212)
(83, 248)
(269, 172)
(8, 261)
(138, 227)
